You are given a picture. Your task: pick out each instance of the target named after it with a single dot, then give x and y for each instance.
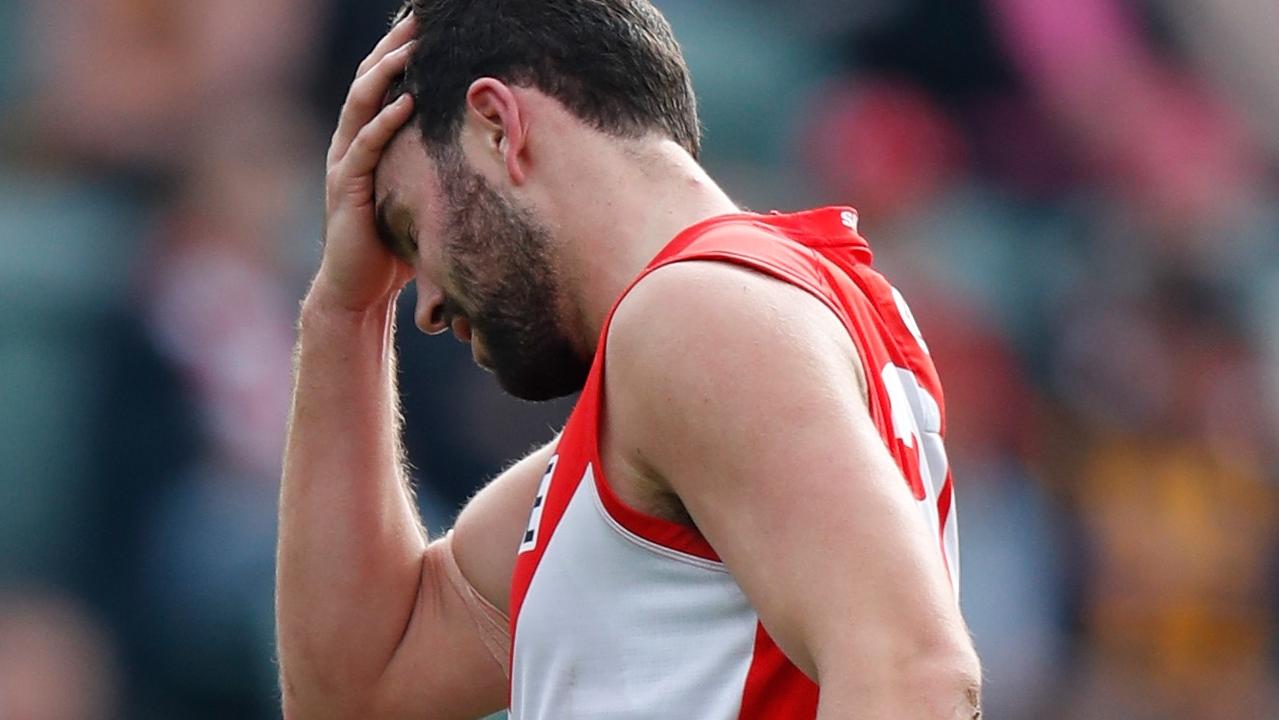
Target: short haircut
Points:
(613, 63)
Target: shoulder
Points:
(685, 300)
(697, 309)
(696, 318)
(695, 341)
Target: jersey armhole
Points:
(650, 529)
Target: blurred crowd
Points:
(1080, 198)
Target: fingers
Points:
(364, 100)
(397, 36)
(366, 149)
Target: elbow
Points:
(938, 675)
(939, 678)
(945, 683)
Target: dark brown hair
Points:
(613, 63)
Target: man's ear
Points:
(492, 103)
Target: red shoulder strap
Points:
(784, 246)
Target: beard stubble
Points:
(501, 257)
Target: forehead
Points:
(405, 175)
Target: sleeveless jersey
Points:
(617, 614)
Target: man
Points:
(748, 513)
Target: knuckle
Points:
(386, 59)
(369, 63)
(393, 59)
(353, 92)
(345, 112)
(379, 123)
(363, 142)
(362, 92)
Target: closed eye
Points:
(410, 239)
(402, 244)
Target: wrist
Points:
(327, 309)
(323, 297)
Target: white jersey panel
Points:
(614, 626)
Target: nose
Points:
(430, 313)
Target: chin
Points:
(528, 366)
(537, 391)
(548, 382)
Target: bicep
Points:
(451, 662)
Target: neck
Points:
(640, 198)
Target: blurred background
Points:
(1080, 198)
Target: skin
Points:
(369, 627)
(498, 260)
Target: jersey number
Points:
(535, 516)
(916, 418)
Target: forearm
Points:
(350, 540)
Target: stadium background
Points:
(1080, 198)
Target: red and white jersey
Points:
(617, 614)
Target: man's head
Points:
(613, 63)
(462, 195)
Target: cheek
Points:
(431, 267)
